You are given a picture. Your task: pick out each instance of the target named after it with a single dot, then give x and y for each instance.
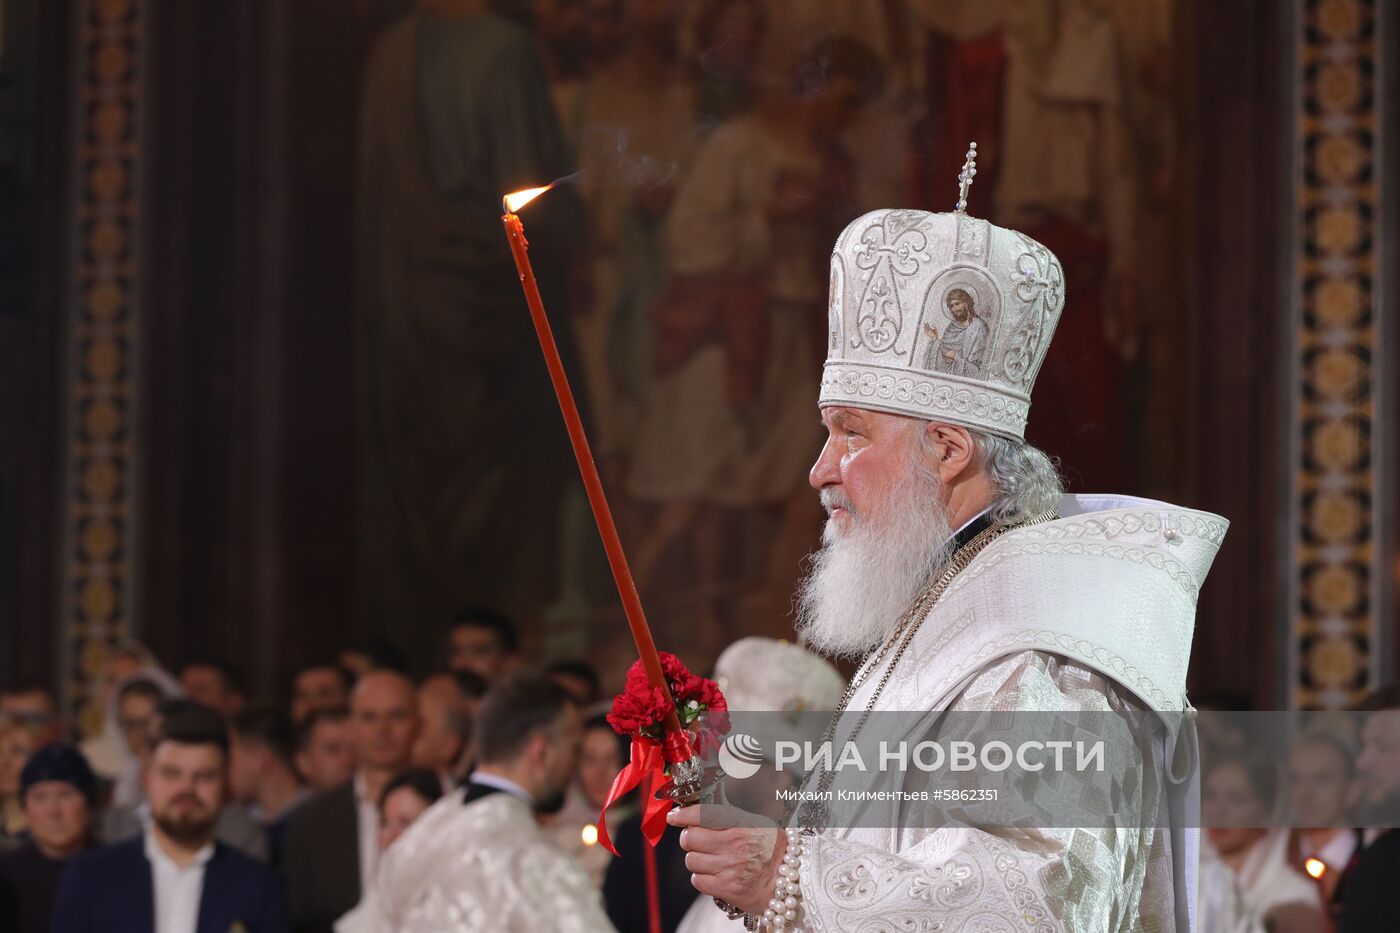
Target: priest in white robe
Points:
(953, 565)
(477, 860)
(766, 675)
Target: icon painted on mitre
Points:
(963, 345)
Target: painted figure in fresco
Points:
(960, 351)
(459, 504)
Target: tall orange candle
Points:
(592, 482)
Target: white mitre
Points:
(893, 343)
(901, 339)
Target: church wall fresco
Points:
(718, 548)
(1104, 182)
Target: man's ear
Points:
(538, 748)
(949, 450)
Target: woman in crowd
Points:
(1237, 801)
(403, 800)
(575, 827)
(105, 749)
(58, 791)
(111, 752)
(137, 702)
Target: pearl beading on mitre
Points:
(965, 177)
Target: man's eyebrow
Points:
(843, 419)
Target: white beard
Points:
(863, 580)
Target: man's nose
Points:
(827, 470)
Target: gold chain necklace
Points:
(814, 811)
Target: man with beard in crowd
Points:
(175, 878)
(954, 566)
(447, 704)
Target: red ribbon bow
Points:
(646, 761)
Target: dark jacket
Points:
(321, 860)
(625, 886)
(29, 882)
(111, 890)
(1371, 899)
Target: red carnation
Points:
(709, 695)
(676, 672)
(639, 707)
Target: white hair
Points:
(1026, 479)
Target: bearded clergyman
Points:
(957, 571)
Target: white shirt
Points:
(1268, 881)
(177, 890)
(500, 783)
(367, 821)
(1337, 852)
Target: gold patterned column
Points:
(1335, 555)
(103, 289)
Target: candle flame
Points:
(518, 199)
(589, 835)
(1315, 867)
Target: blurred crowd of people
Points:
(282, 810)
(200, 807)
(1296, 815)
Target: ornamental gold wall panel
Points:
(1335, 559)
(96, 603)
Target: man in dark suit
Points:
(332, 850)
(175, 878)
(1371, 902)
